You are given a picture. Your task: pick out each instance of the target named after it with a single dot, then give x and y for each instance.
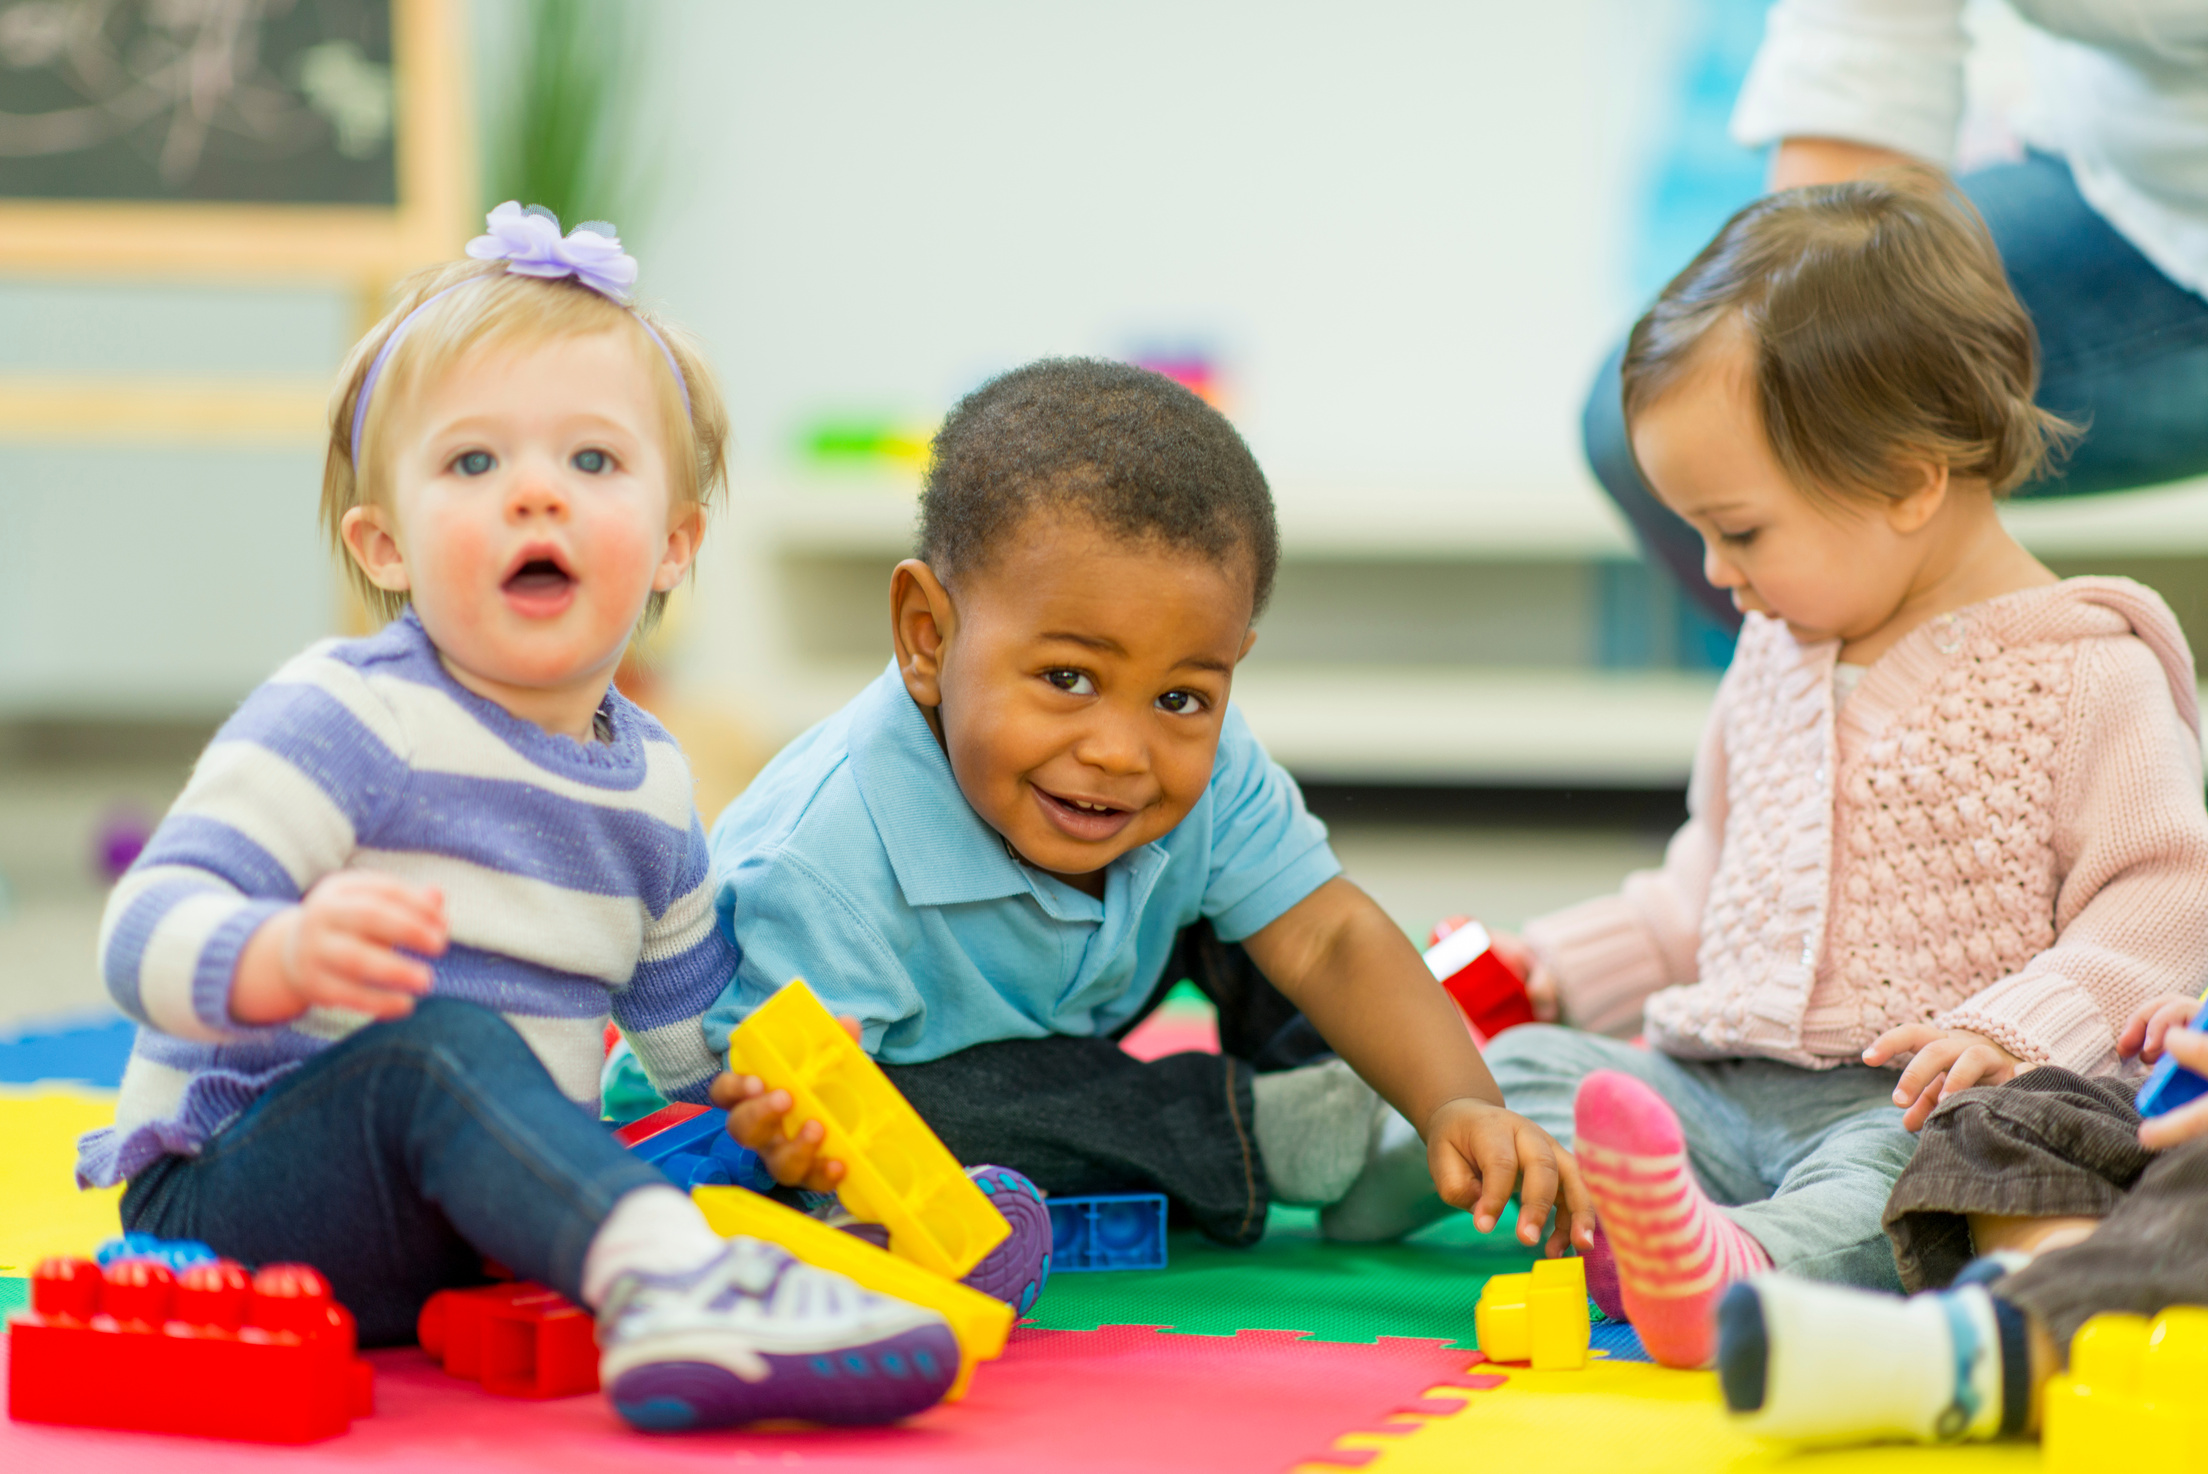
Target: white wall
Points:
(1402, 227)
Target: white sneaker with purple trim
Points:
(753, 1333)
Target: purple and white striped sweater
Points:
(576, 881)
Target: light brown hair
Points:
(507, 310)
(1881, 329)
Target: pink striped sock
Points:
(1676, 1254)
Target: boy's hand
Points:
(1478, 1152)
(755, 1119)
(1541, 989)
(2189, 1120)
(2147, 1028)
(1947, 1061)
(338, 948)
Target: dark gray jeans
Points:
(1080, 1115)
(2052, 1144)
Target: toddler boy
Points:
(999, 855)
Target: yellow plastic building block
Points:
(1539, 1317)
(2132, 1386)
(980, 1322)
(897, 1172)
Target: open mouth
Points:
(1083, 818)
(539, 583)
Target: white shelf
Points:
(2165, 521)
(875, 517)
(1479, 726)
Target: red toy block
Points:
(1490, 994)
(518, 1340)
(212, 1352)
(646, 1127)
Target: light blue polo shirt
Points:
(854, 862)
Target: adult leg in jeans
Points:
(2124, 351)
(395, 1161)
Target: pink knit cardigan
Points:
(2002, 831)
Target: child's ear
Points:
(685, 530)
(920, 625)
(374, 548)
(1926, 484)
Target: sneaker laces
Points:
(751, 1282)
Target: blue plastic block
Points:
(1110, 1231)
(699, 1152)
(2169, 1086)
(177, 1255)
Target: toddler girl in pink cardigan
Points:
(1948, 807)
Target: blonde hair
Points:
(1881, 330)
(507, 309)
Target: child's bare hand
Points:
(339, 948)
(2190, 1049)
(1540, 982)
(2150, 1025)
(756, 1118)
(1478, 1152)
(1947, 1062)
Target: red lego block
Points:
(266, 1358)
(646, 1127)
(1491, 996)
(518, 1340)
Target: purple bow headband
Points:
(529, 242)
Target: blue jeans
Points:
(2123, 352)
(395, 1162)
(1802, 1159)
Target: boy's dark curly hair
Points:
(1136, 452)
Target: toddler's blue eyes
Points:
(473, 463)
(591, 462)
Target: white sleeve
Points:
(1882, 72)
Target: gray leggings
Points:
(1802, 1159)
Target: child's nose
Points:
(1113, 747)
(535, 495)
(1718, 569)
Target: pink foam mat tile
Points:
(1115, 1398)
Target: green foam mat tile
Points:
(15, 1293)
(1293, 1280)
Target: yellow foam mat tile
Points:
(1626, 1417)
(41, 1210)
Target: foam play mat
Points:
(1293, 1355)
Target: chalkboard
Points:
(214, 101)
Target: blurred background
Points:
(1391, 241)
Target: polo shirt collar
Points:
(943, 853)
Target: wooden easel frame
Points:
(366, 246)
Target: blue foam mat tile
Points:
(91, 1049)
(1617, 1340)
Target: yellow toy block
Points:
(897, 1172)
(2132, 1385)
(1539, 1317)
(980, 1322)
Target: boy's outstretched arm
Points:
(1356, 976)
